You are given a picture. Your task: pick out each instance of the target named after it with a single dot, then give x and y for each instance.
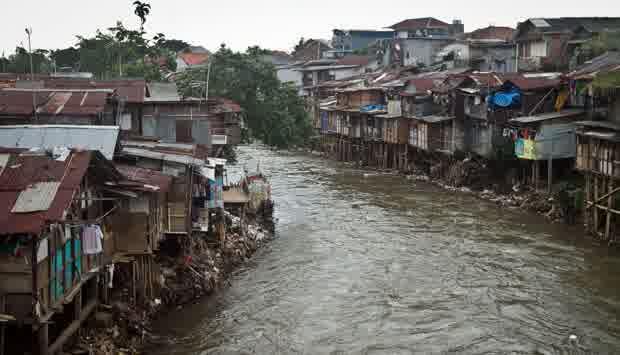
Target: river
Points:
(377, 264)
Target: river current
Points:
(367, 263)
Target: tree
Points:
(273, 111)
(64, 58)
(300, 45)
(606, 41)
(142, 10)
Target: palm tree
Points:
(142, 10)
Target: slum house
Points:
(417, 41)
(346, 41)
(475, 129)
(598, 142)
(191, 121)
(52, 263)
(543, 43)
(395, 127)
(317, 72)
(130, 94)
(541, 127)
(587, 32)
(354, 123)
(225, 120)
(138, 227)
(430, 127)
(312, 49)
(187, 197)
(323, 96)
(58, 106)
(479, 55)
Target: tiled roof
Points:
(194, 58)
(493, 32)
(419, 23)
(568, 24)
(360, 60)
(24, 170)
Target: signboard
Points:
(525, 149)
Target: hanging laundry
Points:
(561, 100)
(111, 274)
(91, 240)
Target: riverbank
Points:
(189, 271)
(473, 176)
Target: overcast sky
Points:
(273, 24)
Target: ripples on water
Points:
(377, 264)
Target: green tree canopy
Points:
(274, 112)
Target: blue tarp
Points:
(506, 98)
(369, 108)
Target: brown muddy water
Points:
(377, 264)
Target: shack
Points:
(58, 106)
(596, 86)
(186, 164)
(52, 261)
(168, 118)
(130, 94)
(547, 138)
(430, 125)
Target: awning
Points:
(548, 116)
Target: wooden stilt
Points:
(43, 336)
(609, 206)
(596, 212)
(586, 212)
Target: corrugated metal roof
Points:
(549, 116)
(129, 90)
(26, 169)
(100, 138)
(20, 103)
(37, 197)
(165, 156)
(609, 61)
(599, 124)
(148, 177)
(433, 118)
(526, 84)
(53, 102)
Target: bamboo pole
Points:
(596, 182)
(609, 206)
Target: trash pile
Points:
(467, 172)
(206, 263)
(119, 329)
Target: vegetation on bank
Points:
(273, 111)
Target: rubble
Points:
(123, 328)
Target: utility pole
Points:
(34, 97)
(207, 82)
